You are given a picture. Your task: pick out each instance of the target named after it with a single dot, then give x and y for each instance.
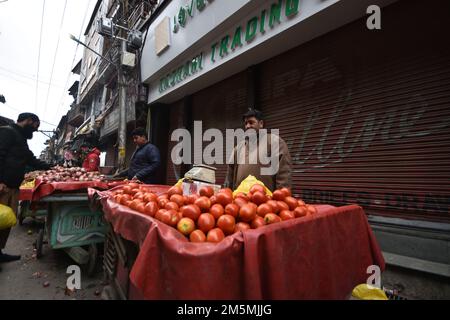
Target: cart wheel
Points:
(39, 243)
(20, 213)
(92, 262)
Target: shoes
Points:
(8, 258)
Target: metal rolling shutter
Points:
(365, 125)
(221, 106)
(176, 121)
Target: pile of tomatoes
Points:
(209, 217)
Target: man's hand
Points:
(135, 179)
(3, 188)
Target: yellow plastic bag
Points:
(179, 183)
(366, 292)
(248, 183)
(28, 184)
(7, 217)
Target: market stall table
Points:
(323, 256)
(69, 222)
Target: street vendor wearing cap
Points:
(15, 157)
(91, 157)
(240, 167)
(145, 160)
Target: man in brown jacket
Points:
(240, 165)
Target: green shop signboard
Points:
(268, 18)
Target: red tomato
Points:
(134, 204)
(150, 197)
(176, 216)
(127, 189)
(135, 190)
(271, 218)
(232, 209)
(264, 209)
(159, 213)
(165, 217)
(125, 198)
(141, 207)
(151, 208)
(300, 211)
(175, 190)
(213, 200)
(286, 215)
(206, 191)
(240, 202)
(162, 202)
(216, 210)
(171, 206)
(259, 197)
(128, 203)
(118, 198)
(226, 223)
(286, 192)
(241, 226)
(242, 195)
(206, 222)
(215, 235)
(311, 209)
(247, 213)
(227, 190)
(178, 199)
(224, 198)
(257, 187)
(282, 206)
(191, 211)
(190, 199)
(139, 195)
(197, 236)
(258, 222)
(186, 226)
(203, 203)
(274, 206)
(133, 185)
(164, 196)
(291, 202)
(301, 203)
(278, 195)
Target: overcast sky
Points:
(20, 34)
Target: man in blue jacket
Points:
(145, 160)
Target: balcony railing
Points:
(75, 116)
(105, 68)
(141, 12)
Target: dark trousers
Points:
(9, 198)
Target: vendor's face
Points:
(139, 140)
(253, 123)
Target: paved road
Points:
(26, 279)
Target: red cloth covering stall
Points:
(44, 189)
(323, 256)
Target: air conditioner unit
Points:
(128, 59)
(105, 26)
(134, 39)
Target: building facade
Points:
(364, 110)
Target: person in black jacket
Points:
(15, 159)
(145, 160)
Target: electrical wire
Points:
(56, 53)
(39, 57)
(32, 79)
(15, 109)
(73, 60)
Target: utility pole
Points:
(122, 130)
(122, 134)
